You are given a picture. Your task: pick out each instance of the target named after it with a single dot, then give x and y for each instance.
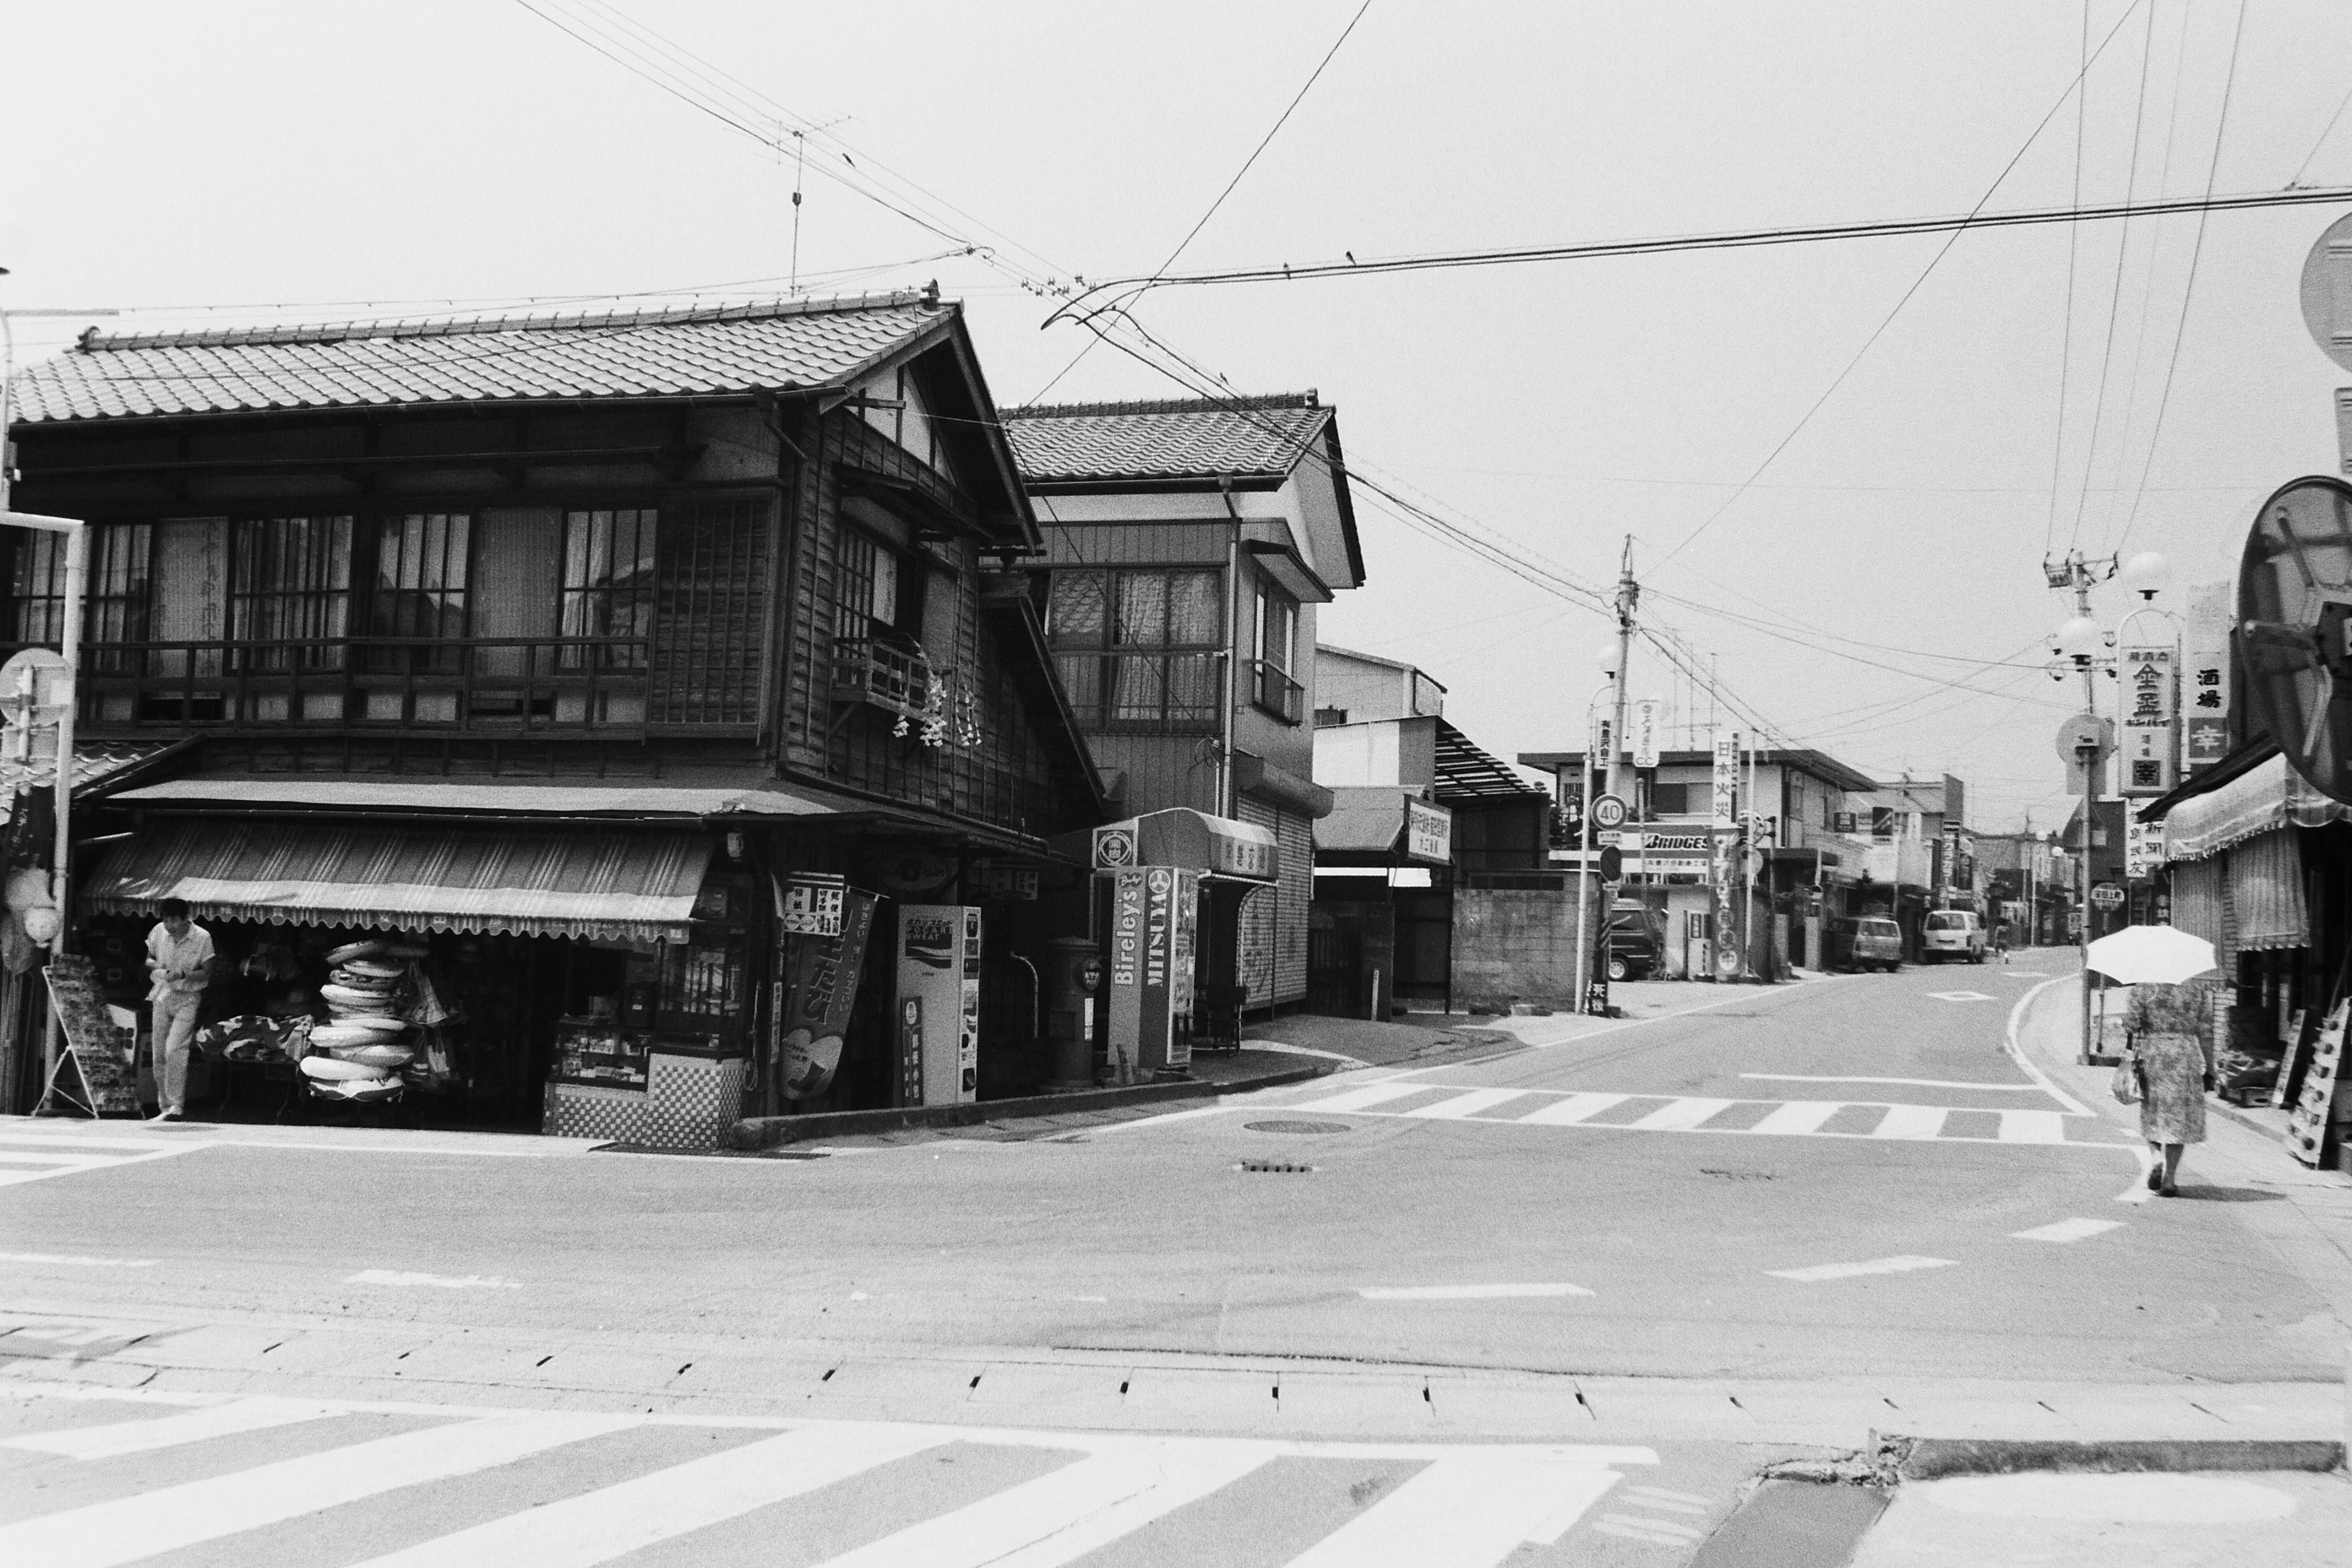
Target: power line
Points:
(1247, 164)
(1083, 300)
(1936, 260)
(2066, 343)
(2189, 291)
(2115, 294)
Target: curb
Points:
(758, 1133)
(1932, 1459)
(2228, 1112)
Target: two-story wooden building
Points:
(595, 665)
(1188, 543)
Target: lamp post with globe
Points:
(2084, 646)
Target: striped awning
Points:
(592, 885)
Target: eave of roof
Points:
(777, 346)
(1077, 445)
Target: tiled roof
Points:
(648, 353)
(95, 762)
(1188, 439)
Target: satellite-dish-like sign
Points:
(2294, 627)
(2327, 291)
(37, 687)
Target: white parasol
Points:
(2152, 955)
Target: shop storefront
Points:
(2260, 865)
(644, 966)
(1170, 891)
(1382, 921)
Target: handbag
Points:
(2125, 1086)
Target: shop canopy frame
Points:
(621, 887)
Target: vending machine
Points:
(938, 1004)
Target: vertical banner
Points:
(2205, 678)
(1648, 716)
(932, 992)
(820, 993)
(2148, 745)
(1155, 1011)
(1183, 953)
(1125, 1001)
(1723, 869)
(968, 1025)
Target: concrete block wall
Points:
(1513, 946)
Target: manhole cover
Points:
(1295, 1126)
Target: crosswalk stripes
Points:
(101, 1535)
(618, 1520)
(30, 1155)
(200, 1425)
(1463, 1505)
(1879, 1121)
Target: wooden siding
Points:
(1206, 543)
(1007, 778)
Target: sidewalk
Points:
(2216, 1506)
(2311, 1231)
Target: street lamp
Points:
(2082, 643)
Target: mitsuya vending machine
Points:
(938, 1004)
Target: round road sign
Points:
(2085, 733)
(37, 687)
(1608, 811)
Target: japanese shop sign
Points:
(2205, 678)
(2150, 697)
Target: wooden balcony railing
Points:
(881, 675)
(1274, 691)
(492, 684)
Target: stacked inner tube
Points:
(364, 1041)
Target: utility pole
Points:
(1629, 595)
(2080, 573)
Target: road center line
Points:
(1907, 1082)
(1903, 1265)
(2067, 1230)
(440, 1281)
(1465, 1292)
(71, 1260)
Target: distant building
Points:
(1420, 814)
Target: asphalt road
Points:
(1845, 1179)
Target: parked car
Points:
(1637, 939)
(1955, 934)
(1862, 942)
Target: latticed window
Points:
(608, 585)
(114, 593)
(290, 592)
(422, 564)
(1137, 648)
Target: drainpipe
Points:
(1227, 805)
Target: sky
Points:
(1841, 465)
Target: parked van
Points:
(1955, 934)
(1862, 942)
(1637, 939)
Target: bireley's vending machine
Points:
(938, 1004)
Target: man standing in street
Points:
(180, 958)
